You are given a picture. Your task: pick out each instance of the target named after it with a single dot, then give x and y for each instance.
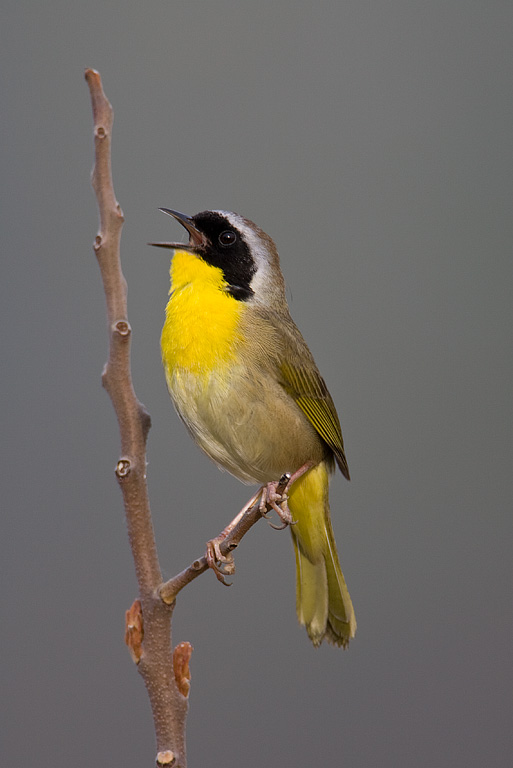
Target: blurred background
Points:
(372, 141)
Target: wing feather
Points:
(307, 387)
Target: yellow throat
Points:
(201, 326)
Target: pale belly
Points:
(248, 425)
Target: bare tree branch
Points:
(169, 705)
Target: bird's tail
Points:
(322, 599)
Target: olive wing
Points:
(307, 387)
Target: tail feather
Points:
(311, 596)
(341, 618)
(322, 599)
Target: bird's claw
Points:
(222, 565)
(282, 526)
(274, 495)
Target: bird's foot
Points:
(274, 495)
(222, 565)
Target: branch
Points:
(171, 588)
(169, 705)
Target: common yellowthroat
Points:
(247, 388)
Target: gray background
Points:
(372, 140)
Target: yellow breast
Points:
(201, 327)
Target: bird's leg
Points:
(275, 495)
(223, 565)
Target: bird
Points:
(247, 388)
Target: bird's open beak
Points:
(196, 238)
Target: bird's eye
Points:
(227, 238)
